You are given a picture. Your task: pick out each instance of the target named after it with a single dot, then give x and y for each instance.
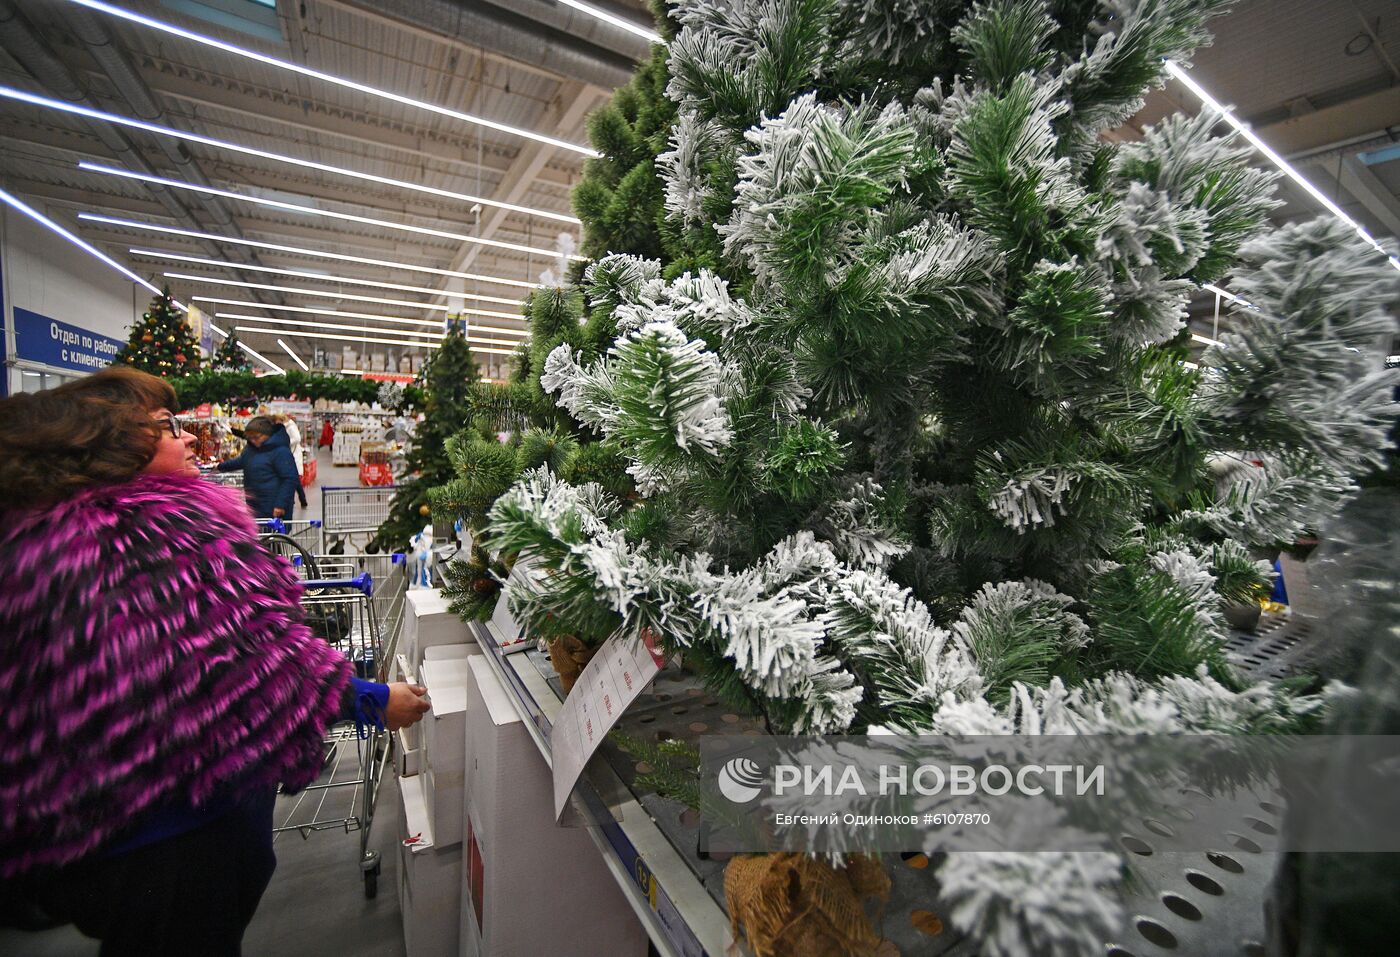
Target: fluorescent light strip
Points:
(322, 277)
(328, 294)
(1206, 340)
(248, 349)
(1180, 74)
(435, 325)
(288, 350)
(338, 80)
(34, 99)
(317, 211)
(428, 336)
(348, 315)
(301, 251)
(390, 342)
(630, 26)
(82, 244)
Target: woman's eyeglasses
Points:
(174, 425)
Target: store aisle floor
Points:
(314, 906)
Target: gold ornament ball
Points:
(169, 338)
(424, 510)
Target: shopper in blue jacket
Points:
(269, 471)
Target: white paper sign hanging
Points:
(509, 634)
(608, 684)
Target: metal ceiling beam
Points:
(1358, 121)
(209, 90)
(1358, 180)
(574, 102)
(441, 214)
(86, 200)
(518, 38)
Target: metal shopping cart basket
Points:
(344, 611)
(347, 512)
(231, 479)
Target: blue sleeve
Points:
(285, 468)
(235, 464)
(365, 703)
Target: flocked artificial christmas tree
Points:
(447, 379)
(919, 453)
(230, 357)
(162, 342)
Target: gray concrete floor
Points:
(315, 904)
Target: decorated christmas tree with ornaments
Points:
(920, 453)
(161, 342)
(230, 357)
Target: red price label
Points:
(627, 679)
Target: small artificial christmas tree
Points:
(920, 453)
(447, 378)
(230, 357)
(162, 342)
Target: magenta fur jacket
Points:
(150, 652)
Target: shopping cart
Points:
(296, 541)
(231, 479)
(347, 512)
(350, 613)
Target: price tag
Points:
(509, 634)
(610, 682)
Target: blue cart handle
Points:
(363, 582)
(272, 525)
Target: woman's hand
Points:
(407, 705)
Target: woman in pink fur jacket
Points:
(157, 681)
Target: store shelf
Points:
(681, 916)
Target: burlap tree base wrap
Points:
(569, 656)
(792, 905)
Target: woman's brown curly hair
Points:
(96, 430)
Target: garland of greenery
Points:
(226, 387)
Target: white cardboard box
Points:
(512, 845)
(427, 623)
(451, 652)
(430, 879)
(442, 762)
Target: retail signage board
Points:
(289, 406)
(203, 411)
(61, 344)
(610, 682)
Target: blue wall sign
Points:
(41, 339)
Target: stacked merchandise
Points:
(920, 452)
(345, 449)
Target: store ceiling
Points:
(1320, 80)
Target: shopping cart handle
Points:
(272, 525)
(314, 523)
(362, 582)
(396, 558)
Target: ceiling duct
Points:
(596, 53)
